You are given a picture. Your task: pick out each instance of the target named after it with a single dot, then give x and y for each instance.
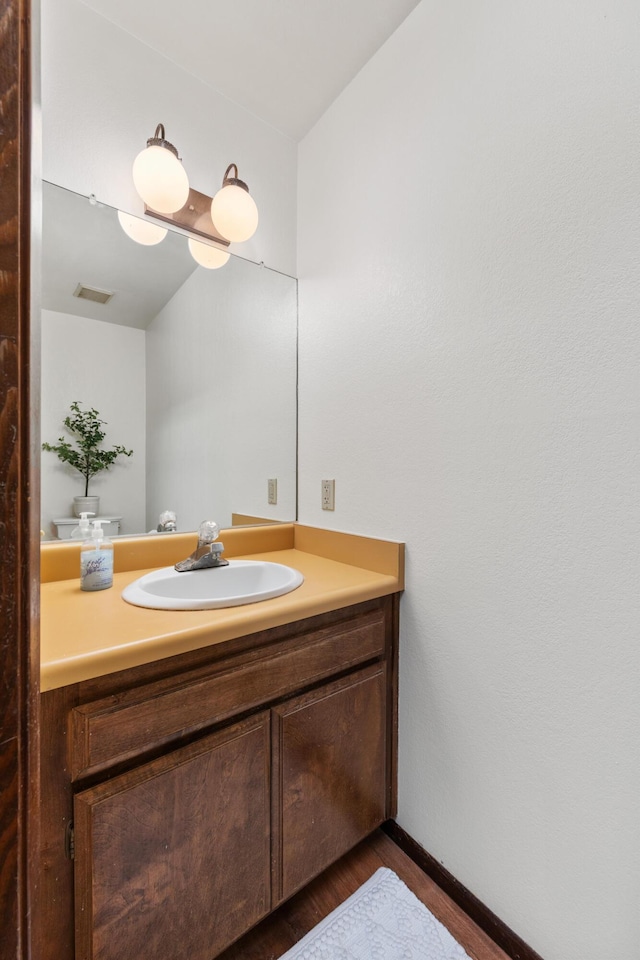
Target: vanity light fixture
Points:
(158, 175)
(160, 180)
(141, 230)
(207, 255)
(233, 209)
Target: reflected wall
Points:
(193, 369)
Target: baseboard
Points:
(499, 932)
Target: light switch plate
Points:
(272, 491)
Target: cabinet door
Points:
(329, 755)
(172, 858)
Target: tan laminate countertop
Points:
(86, 635)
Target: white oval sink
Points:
(242, 581)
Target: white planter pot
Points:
(86, 504)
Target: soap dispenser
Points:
(96, 560)
(83, 530)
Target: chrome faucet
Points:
(207, 553)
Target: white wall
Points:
(104, 92)
(469, 263)
(70, 349)
(217, 430)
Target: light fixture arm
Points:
(228, 181)
(158, 140)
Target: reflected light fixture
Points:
(233, 209)
(158, 175)
(161, 181)
(141, 230)
(207, 255)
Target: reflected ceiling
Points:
(144, 278)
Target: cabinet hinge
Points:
(70, 841)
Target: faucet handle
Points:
(167, 522)
(208, 531)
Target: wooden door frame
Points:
(19, 495)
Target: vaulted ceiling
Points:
(283, 60)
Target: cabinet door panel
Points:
(330, 761)
(172, 858)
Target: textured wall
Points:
(103, 92)
(71, 349)
(469, 263)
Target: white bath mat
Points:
(382, 920)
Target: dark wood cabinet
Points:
(172, 858)
(329, 784)
(205, 789)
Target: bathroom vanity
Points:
(224, 763)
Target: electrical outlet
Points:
(272, 491)
(328, 494)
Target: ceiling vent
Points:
(92, 293)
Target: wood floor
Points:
(278, 933)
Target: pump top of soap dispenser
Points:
(97, 533)
(83, 530)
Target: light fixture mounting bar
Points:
(195, 217)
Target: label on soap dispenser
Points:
(96, 569)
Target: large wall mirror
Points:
(194, 370)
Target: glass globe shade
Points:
(160, 179)
(234, 213)
(208, 256)
(141, 230)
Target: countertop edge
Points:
(337, 585)
(62, 673)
